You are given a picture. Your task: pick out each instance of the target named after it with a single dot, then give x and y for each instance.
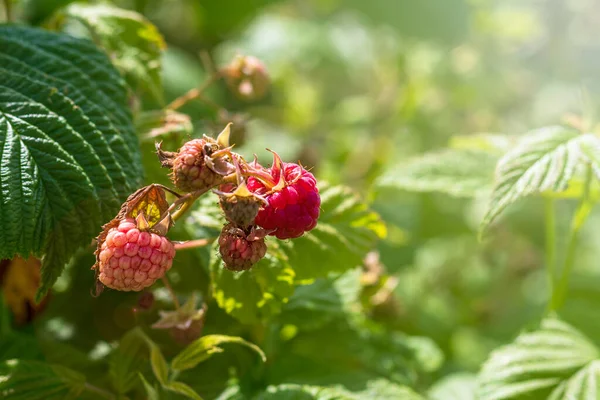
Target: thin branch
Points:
(192, 244)
(100, 392)
(171, 292)
(8, 10)
(192, 93)
(579, 218)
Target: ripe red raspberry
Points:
(293, 204)
(240, 251)
(131, 259)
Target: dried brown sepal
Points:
(165, 158)
(184, 324)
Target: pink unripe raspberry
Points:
(190, 171)
(293, 209)
(130, 259)
(240, 251)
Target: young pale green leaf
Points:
(584, 385)
(346, 232)
(455, 172)
(536, 363)
(182, 388)
(252, 295)
(32, 380)
(127, 360)
(385, 389)
(459, 386)
(493, 143)
(133, 42)
(202, 348)
(545, 160)
(69, 153)
(159, 365)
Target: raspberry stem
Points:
(193, 93)
(192, 244)
(184, 203)
(171, 292)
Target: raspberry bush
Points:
(253, 200)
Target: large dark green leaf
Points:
(68, 151)
(133, 43)
(314, 305)
(254, 294)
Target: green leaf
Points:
(133, 43)
(252, 295)
(455, 172)
(352, 354)
(346, 232)
(19, 345)
(202, 348)
(489, 142)
(159, 365)
(312, 306)
(460, 386)
(383, 389)
(537, 363)
(584, 385)
(545, 160)
(303, 392)
(68, 151)
(151, 391)
(32, 380)
(182, 388)
(379, 389)
(127, 360)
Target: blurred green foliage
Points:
(359, 90)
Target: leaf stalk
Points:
(581, 214)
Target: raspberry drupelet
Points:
(131, 259)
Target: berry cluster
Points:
(281, 201)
